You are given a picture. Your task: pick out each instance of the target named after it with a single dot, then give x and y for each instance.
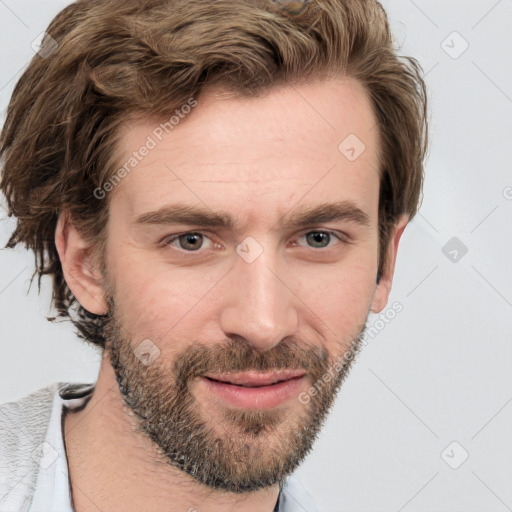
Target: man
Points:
(218, 190)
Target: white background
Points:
(439, 372)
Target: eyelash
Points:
(167, 242)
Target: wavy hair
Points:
(116, 60)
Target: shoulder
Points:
(23, 427)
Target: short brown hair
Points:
(128, 59)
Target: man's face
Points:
(264, 294)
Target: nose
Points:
(258, 303)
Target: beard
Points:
(227, 449)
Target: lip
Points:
(263, 395)
(254, 378)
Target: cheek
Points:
(339, 296)
(157, 302)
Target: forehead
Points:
(319, 136)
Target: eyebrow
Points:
(199, 216)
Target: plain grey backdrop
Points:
(424, 421)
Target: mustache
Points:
(236, 355)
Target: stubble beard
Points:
(230, 449)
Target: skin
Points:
(260, 160)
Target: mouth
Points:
(254, 390)
(253, 379)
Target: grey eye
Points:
(318, 239)
(191, 241)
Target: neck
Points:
(112, 466)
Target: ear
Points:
(82, 278)
(383, 289)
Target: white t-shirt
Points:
(52, 489)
